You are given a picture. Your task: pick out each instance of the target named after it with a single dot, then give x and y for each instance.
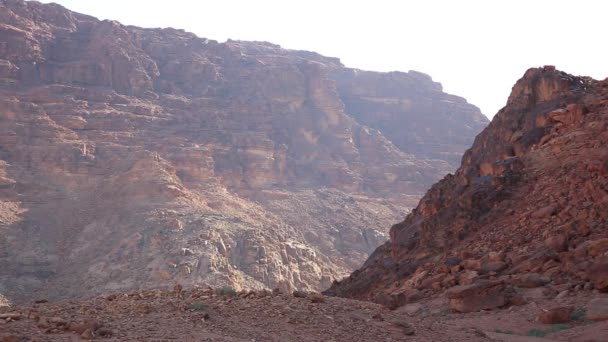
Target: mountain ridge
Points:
(135, 157)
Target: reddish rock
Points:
(482, 295)
(493, 266)
(531, 185)
(556, 315)
(598, 274)
(545, 211)
(530, 280)
(597, 247)
(471, 264)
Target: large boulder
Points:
(482, 295)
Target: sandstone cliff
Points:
(528, 207)
(135, 157)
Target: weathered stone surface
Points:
(135, 157)
(482, 295)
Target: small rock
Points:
(556, 315)
(411, 309)
(317, 298)
(43, 323)
(87, 335)
(598, 274)
(531, 280)
(471, 264)
(300, 294)
(104, 332)
(518, 300)
(563, 294)
(493, 266)
(407, 328)
(545, 211)
(378, 317)
(496, 256)
(58, 321)
(597, 309)
(557, 242)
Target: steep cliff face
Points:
(137, 157)
(529, 200)
(439, 125)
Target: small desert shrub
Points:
(578, 314)
(504, 331)
(197, 306)
(541, 333)
(227, 291)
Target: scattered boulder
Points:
(545, 211)
(317, 298)
(300, 294)
(597, 247)
(471, 264)
(598, 274)
(407, 328)
(556, 315)
(482, 295)
(531, 280)
(494, 266)
(87, 335)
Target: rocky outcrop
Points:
(527, 207)
(135, 157)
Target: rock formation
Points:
(527, 208)
(135, 157)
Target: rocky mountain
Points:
(527, 209)
(134, 157)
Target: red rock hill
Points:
(528, 207)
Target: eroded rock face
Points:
(137, 157)
(528, 205)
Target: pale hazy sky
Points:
(476, 49)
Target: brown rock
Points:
(557, 242)
(10, 338)
(493, 266)
(556, 315)
(407, 328)
(545, 211)
(482, 295)
(467, 277)
(300, 294)
(597, 247)
(518, 300)
(317, 298)
(87, 335)
(598, 274)
(597, 309)
(471, 264)
(530, 280)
